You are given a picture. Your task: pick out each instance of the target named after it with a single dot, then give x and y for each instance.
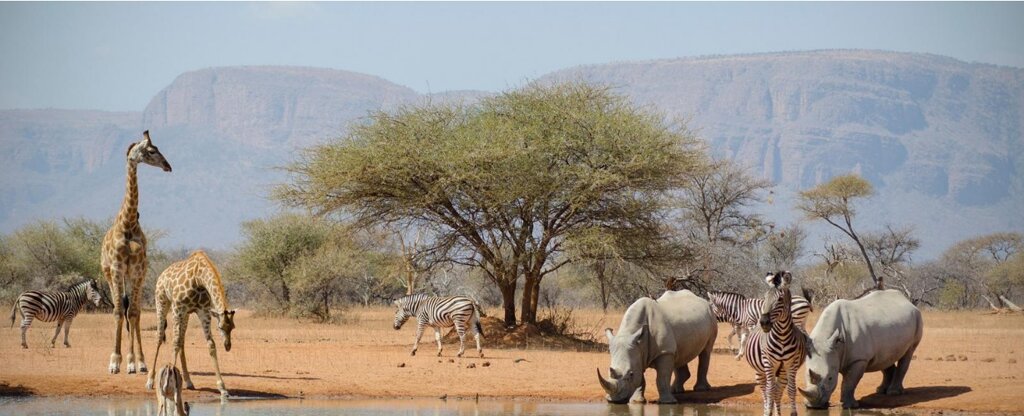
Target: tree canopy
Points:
(503, 184)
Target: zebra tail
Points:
(14, 311)
(476, 322)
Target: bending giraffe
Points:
(191, 286)
(123, 257)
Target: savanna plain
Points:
(969, 361)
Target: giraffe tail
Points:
(124, 311)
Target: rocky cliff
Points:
(941, 139)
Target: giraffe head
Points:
(146, 152)
(227, 323)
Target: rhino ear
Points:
(638, 336)
(608, 334)
(835, 339)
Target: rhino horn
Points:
(608, 386)
(810, 392)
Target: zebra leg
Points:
(419, 334)
(67, 328)
(437, 338)
(762, 380)
(479, 349)
(851, 377)
(204, 317)
(25, 322)
(791, 389)
(731, 334)
(56, 332)
(462, 341)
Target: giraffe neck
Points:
(128, 216)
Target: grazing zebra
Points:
(743, 313)
(440, 312)
(778, 350)
(49, 306)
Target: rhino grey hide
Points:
(878, 332)
(664, 335)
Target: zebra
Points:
(48, 306)
(742, 313)
(778, 350)
(440, 312)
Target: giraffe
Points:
(190, 286)
(123, 257)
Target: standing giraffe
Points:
(187, 286)
(123, 258)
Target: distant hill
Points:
(942, 140)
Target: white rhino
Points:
(664, 335)
(876, 332)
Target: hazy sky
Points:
(116, 56)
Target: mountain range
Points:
(940, 139)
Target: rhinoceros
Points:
(876, 332)
(664, 335)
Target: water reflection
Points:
(418, 407)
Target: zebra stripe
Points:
(49, 306)
(439, 313)
(777, 353)
(743, 312)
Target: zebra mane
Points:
(81, 283)
(405, 300)
(728, 293)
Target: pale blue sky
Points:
(116, 56)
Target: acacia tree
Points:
(832, 202)
(504, 183)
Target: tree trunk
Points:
(529, 306)
(508, 301)
(599, 272)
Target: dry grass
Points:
(365, 357)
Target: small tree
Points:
(833, 203)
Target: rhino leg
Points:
(886, 379)
(682, 374)
(851, 377)
(703, 363)
(896, 386)
(664, 366)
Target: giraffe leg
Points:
(115, 274)
(204, 318)
(56, 332)
(161, 315)
(180, 325)
(135, 314)
(67, 329)
(437, 337)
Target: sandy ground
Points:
(367, 358)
